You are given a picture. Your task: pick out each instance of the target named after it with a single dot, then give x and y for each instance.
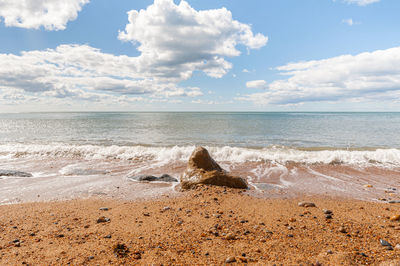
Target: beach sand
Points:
(204, 226)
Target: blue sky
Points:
(209, 55)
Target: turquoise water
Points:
(253, 130)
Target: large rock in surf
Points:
(202, 169)
(14, 173)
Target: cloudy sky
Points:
(208, 55)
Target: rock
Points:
(230, 236)
(342, 230)
(385, 243)
(107, 236)
(104, 209)
(151, 178)
(397, 246)
(202, 169)
(327, 211)
(306, 204)
(230, 260)
(395, 218)
(328, 216)
(368, 186)
(103, 219)
(394, 201)
(120, 250)
(14, 173)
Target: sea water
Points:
(87, 153)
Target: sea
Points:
(284, 154)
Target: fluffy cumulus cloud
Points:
(362, 77)
(33, 14)
(361, 2)
(81, 71)
(176, 40)
(173, 41)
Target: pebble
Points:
(306, 204)
(103, 219)
(292, 220)
(394, 201)
(328, 216)
(104, 209)
(146, 214)
(368, 186)
(166, 208)
(91, 258)
(342, 230)
(329, 252)
(385, 243)
(230, 260)
(108, 236)
(327, 211)
(397, 246)
(230, 236)
(395, 218)
(290, 235)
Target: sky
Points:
(208, 55)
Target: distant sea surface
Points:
(90, 151)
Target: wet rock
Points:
(13, 173)
(385, 243)
(202, 169)
(230, 260)
(306, 204)
(395, 218)
(151, 178)
(103, 219)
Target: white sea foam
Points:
(383, 157)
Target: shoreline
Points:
(205, 226)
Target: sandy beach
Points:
(208, 225)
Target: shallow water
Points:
(84, 154)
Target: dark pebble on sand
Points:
(328, 216)
(327, 211)
(103, 220)
(385, 243)
(104, 209)
(108, 236)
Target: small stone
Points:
(385, 243)
(395, 218)
(368, 186)
(363, 254)
(292, 220)
(397, 246)
(306, 204)
(91, 258)
(244, 221)
(230, 236)
(104, 209)
(60, 235)
(327, 211)
(108, 236)
(146, 214)
(389, 248)
(290, 228)
(137, 256)
(329, 252)
(230, 260)
(103, 219)
(342, 230)
(328, 216)
(166, 208)
(290, 235)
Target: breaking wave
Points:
(365, 157)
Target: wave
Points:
(365, 157)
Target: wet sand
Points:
(204, 226)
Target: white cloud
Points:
(245, 70)
(362, 77)
(349, 21)
(361, 2)
(32, 14)
(176, 40)
(256, 84)
(83, 72)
